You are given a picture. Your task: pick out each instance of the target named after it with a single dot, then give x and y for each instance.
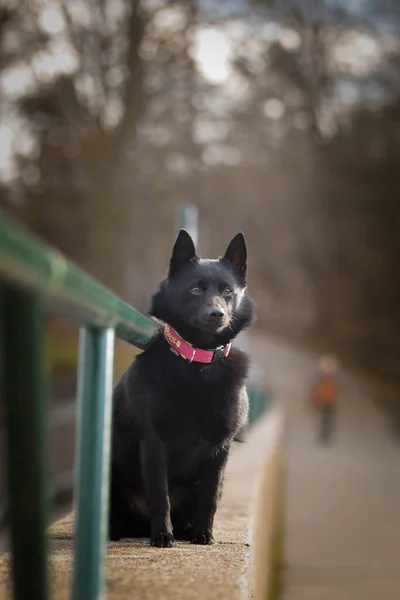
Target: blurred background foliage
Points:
(279, 118)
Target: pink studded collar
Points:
(191, 353)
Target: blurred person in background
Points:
(324, 396)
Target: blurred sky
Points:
(357, 49)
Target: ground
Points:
(342, 506)
(343, 501)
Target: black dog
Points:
(175, 418)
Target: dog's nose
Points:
(217, 313)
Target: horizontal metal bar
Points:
(28, 263)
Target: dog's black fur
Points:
(175, 421)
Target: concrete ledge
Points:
(237, 566)
(266, 512)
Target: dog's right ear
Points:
(236, 253)
(183, 252)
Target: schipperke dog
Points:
(182, 402)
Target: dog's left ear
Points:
(236, 253)
(183, 252)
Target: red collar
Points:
(191, 353)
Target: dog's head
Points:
(205, 300)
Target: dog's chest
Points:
(194, 429)
(187, 452)
(198, 416)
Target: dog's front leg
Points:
(210, 483)
(155, 478)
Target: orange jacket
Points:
(325, 390)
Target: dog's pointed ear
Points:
(183, 252)
(236, 253)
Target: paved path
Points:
(343, 502)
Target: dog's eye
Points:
(227, 291)
(196, 290)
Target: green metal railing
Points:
(33, 279)
(258, 403)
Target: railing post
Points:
(187, 217)
(26, 434)
(93, 461)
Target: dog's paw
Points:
(203, 538)
(163, 540)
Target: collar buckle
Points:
(218, 354)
